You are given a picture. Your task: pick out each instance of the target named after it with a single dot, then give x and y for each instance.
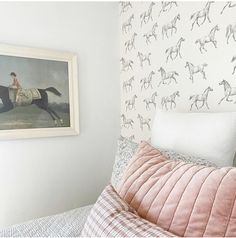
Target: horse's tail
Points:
(162, 30)
(162, 101)
(228, 29)
(167, 50)
(193, 16)
(176, 73)
(191, 97)
(53, 90)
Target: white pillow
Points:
(211, 136)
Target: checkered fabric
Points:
(113, 217)
(67, 224)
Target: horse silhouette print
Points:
(147, 82)
(127, 123)
(202, 14)
(170, 27)
(167, 77)
(41, 102)
(228, 91)
(130, 104)
(151, 34)
(146, 16)
(127, 25)
(144, 122)
(233, 59)
(144, 58)
(195, 70)
(231, 32)
(195, 99)
(228, 5)
(128, 84)
(126, 64)
(125, 6)
(174, 51)
(165, 101)
(210, 38)
(130, 44)
(166, 6)
(151, 100)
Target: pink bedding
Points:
(182, 198)
(113, 217)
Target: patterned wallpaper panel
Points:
(175, 56)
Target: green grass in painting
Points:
(30, 117)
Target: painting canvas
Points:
(38, 92)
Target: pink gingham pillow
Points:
(113, 217)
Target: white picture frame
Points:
(50, 55)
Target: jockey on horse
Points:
(15, 86)
(20, 96)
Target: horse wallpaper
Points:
(175, 56)
(34, 93)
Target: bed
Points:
(67, 224)
(151, 185)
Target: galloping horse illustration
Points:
(41, 102)
(233, 59)
(127, 123)
(169, 99)
(127, 85)
(231, 32)
(144, 122)
(147, 82)
(125, 6)
(228, 91)
(174, 51)
(170, 26)
(200, 98)
(167, 76)
(228, 5)
(210, 38)
(126, 64)
(144, 57)
(129, 44)
(202, 14)
(147, 15)
(195, 69)
(130, 104)
(151, 33)
(151, 100)
(127, 26)
(166, 6)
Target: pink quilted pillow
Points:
(183, 198)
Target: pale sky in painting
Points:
(36, 73)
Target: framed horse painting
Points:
(38, 92)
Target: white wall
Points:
(44, 176)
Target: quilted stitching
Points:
(183, 198)
(214, 201)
